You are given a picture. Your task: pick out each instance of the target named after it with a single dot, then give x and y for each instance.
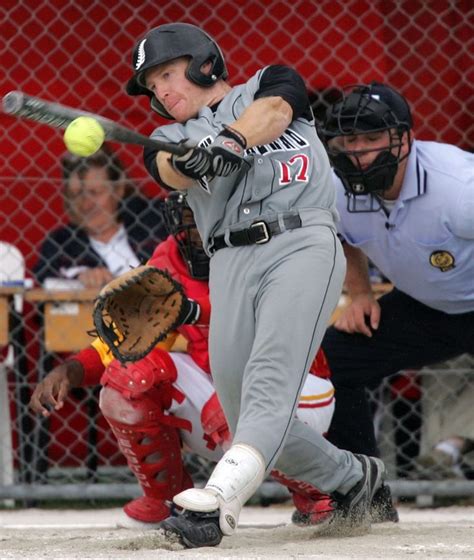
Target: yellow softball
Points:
(84, 136)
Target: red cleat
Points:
(148, 510)
(312, 511)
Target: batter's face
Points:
(94, 200)
(181, 98)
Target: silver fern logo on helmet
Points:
(140, 55)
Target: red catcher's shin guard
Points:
(154, 456)
(152, 447)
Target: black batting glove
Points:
(195, 163)
(227, 152)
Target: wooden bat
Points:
(20, 105)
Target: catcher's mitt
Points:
(135, 311)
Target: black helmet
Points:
(364, 109)
(180, 222)
(170, 41)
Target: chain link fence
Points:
(78, 53)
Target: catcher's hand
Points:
(52, 391)
(139, 309)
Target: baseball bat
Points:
(20, 105)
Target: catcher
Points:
(166, 399)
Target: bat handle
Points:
(178, 149)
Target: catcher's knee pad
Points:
(147, 386)
(152, 448)
(140, 412)
(135, 378)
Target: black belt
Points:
(258, 233)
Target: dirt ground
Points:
(442, 533)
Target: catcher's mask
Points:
(168, 42)
(365, 109)
(179, 221)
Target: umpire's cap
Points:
(168, 42)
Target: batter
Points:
(259, 183)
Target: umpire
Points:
(408, 206)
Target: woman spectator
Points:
(110, 228)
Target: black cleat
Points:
(353, 508)
(382, 508)
(194, 529)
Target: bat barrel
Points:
(12, 102)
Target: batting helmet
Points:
(362, 110)
(168, 42)
(179, 221)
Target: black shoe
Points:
(194, 529)
(353, 508)
(382, 508)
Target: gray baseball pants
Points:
(271, 305)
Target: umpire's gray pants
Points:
(270, 307)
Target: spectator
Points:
(407, 205)
(110, 227)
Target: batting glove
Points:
(227, 152)
(195, 163)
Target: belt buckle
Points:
(266, 232)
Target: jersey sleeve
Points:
(282, 81)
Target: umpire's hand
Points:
(55, 387)
(361, 316)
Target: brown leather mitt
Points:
(138, 309)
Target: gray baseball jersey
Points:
(271, 303)
(291, 172)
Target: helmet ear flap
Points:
(197, 76)
(199, 59)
